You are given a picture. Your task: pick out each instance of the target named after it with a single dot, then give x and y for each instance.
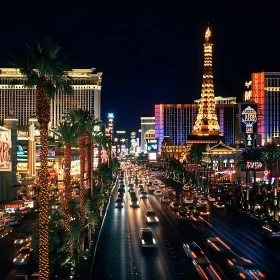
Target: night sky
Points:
(150, 52)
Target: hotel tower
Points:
(22, 101)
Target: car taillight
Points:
(242, 275)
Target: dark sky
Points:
(150, 52)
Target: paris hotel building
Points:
(177, 120)
(86, 95)
(264, 89)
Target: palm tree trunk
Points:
(91, 172)
(99, 165)
(43, 112)
(82, 189)
(67, 162)
(89, 160)
(44, 207)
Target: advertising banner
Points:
(5, 146)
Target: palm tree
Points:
(45, 68)
(82, 119)
(67, 136)
(100, 140)
(94, 123)
(196, 154)
(270, 156)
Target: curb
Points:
(101, 227)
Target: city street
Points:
(119, 254)
(8, 251)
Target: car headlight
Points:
(137, 202)
(143, 242)
(157, 219)
(149, 219)
(15, 259)
(154, 241)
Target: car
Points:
(175, 206)
(146, 238)
(187, 200)
(205, 269)
(176, 193)
(271, 230)
(190, 208)
(56, 205)
(184, 215)
(120, 194)
(23, 240)
(211, 198)
(170, 190)
(134, 202)
(192, 250)
(186, 188)
(122, 186)
(244, 268)
(121, 190)
(218, 245)
(132, 194)
(21, 259)
(158, 193)
(119, 203)
(201, 211)
(219, 205)
(152, 188)
(161, 185)
(165, 200)
(198, 195)
(144, 195)
(151, 217)
(202, 201)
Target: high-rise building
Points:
(265, 90)
(147, 131)
(22, 101)
(178, 120)
(206, 128)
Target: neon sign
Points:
(249, 117)
(254, 165)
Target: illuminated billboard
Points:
(152, 156)
(22, 155)
(152, 145)
(51, 155)
(5, 146)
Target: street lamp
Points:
(206, 163)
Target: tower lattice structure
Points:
(206, 120)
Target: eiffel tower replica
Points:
(206, 129)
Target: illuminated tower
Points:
(206, 128)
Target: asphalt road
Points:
(8, 251)
(120, 256)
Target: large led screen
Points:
(22, 155)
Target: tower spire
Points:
(206, 120)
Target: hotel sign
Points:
(248, 116)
